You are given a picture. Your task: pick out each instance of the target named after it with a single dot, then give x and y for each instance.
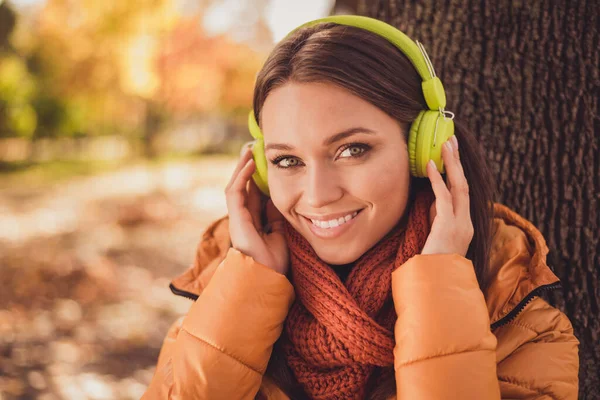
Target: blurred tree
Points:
(7, 24)
(201, 73)
(97, 58)
(93, 68)
(8, 20)
(17, 87)
(524, 76)
(130, 67)
(345, 7)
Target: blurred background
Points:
(120, 123)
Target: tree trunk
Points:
(524, 76)
(8, 20)
(345, 7)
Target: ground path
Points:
(84, 270)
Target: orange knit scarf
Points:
(338, 332)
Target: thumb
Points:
(274, 218)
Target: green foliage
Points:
(53, 115)
(17, 89)
(89, 68)
(29, 109)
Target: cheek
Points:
(387, 180)
(282, 194)
(284, 188)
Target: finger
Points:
(236, 194)
(255, 204)
(459, 187)
(445, 177)
(245, 146)
(432, 213)
(457, 152)
(241, 223)
(246, 154)
(443, 197)
(239, 183)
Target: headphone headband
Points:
(433, 90)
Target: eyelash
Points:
(363, 146)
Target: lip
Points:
(330, 216)
(331, 233)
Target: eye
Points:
(354, 150)
(351, 150)
(285, 162)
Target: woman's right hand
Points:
(244, 205)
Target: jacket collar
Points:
(518, 270)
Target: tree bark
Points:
(524, 76)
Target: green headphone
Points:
(428, 131)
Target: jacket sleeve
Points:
(444, 346)
(221, 348)
(545, 364)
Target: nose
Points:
(322, 187)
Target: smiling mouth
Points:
(335, 222)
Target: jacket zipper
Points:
(502, 321)
(517, 310)
(183, 293)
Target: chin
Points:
(337, 257)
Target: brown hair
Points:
(373, 69)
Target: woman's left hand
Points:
(449, 215)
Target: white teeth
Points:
(334, 222)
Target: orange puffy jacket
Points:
(453, 342)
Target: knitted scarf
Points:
(338, 332)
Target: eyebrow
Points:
(335, 138)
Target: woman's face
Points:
(331, 154)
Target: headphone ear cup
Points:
(260, 174)
(258, 153)
(412, 144)
(420, 144)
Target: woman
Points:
(356, 278)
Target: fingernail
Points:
(455, 141)
(449, 146)
(432, 164)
